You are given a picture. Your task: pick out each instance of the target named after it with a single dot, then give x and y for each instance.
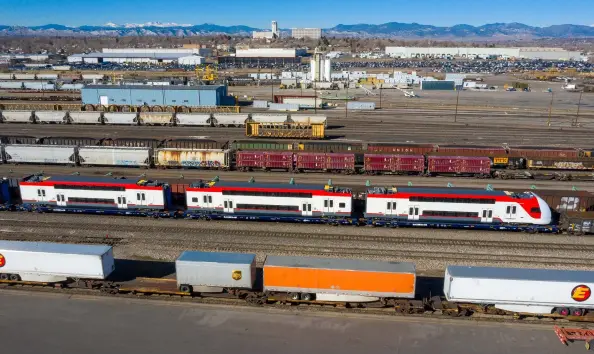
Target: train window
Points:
(231, 205)
(225, 204)
(325, 203)
(93, 188)
(484, 213)
(270, 207)
(393, 205)
(410, 211)
(124, 200)
(91, 200)
(508, 210)
(204, 199)
(173, 100)
(304, 207)
(342, 205)
(210, 199)
(137, 196)
(535, 210)
(186, 101)
(331, 204)
(119, 200)
(143, 196)
(39, 192)
(308, 207)
(43, 192)
(195, 200)
(268, 194)
(490, 213)
(389, 206)
(514, 209)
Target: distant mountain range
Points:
(386, 30)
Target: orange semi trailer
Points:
(323, 279)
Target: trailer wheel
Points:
(3, 276)
(577, 312)
(563, 311)
(15, 277)
(185, 288)
(307, 297)
(294, 296)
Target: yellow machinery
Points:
(207, 74)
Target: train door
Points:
(487, 215)
(228, 206)
(122, 202)
(41, 195)
(207, 201)
(511, 212)
(328, 206)
(391, 208)
(413, 212)
(141, 198)
(306, 208)
(61, 200)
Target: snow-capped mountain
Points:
(147, 24)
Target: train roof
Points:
(231, 184)
(442, 191)
(569, 276)
(90, 179)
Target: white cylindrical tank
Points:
(313, 70)
(327, 69)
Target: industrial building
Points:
(483, 53)
(188, 49)
(310, 33)
(135, 95)
(320, 67)
(270, 53)
(145, 58)
(274, 33)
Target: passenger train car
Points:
(276, 202)
(451, 207)
(408, 206)
(95, 195)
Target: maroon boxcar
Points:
(266, 160)
(319, 161)
(527, 151)
(405, 149)
(459, 165)
(461, 150)
(375, 164)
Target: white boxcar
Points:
(54, 262)
(45, 154)
(85, 117)
(212, 271)
(120, 118)
(24, 76)
(114, 156)
(308, 119)
(195, 119)
(540, 291)
(270, 118)
(285, 107)
(156, 118)
(51, 117)
(17, 116)
(260, 104)
(192, 158)
(229, 119)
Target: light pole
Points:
(550, 110)
(271, 87)
(346, 97)
(381, 86)
(577, 116)
(457, 101)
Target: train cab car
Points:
(95, 195)
(274, 202)
(455, 207)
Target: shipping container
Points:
(438, 85)
(155, 118)
(304, 102)
(64, 155)
(376, 163)
(120, 118)
(260, 104)
(337, 162)
(261, 145)
(525, 151)
(114, 156)
(55, 262)
(267, 160)
(51, 117)
(214, 271)
(270, 118)
(309, 119)
(192, 158)
(519, 289)
(17, 116)
(54, 140)
(229, 119)
(193, 119)
(131, 142)
(406, 149)
(458, 165)
(333, 279)
(561, 163)
(85, 117)
(284, 107)
(362, 106)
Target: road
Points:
(44, 323)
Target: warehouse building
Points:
(144, 58)
(270, 53)
(188, 49)
(483, 53)
(134, 95)
(310, 33)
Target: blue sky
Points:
(299, 13)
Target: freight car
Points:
(286, 279)
(412, 207)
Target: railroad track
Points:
(214, 231)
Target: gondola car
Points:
(103, 195)
(457, 208)
(269, 202)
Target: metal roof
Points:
(216, 257)
(570, 276)
(339, 264)
(151, 87)
(171, 56)
(268, 186)
(453, 191)
(46, 247)
(79, 179)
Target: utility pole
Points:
(346, 97)
(271, 87)
(577, 116)
(381, 86)
(457, 101)
(550, 110)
